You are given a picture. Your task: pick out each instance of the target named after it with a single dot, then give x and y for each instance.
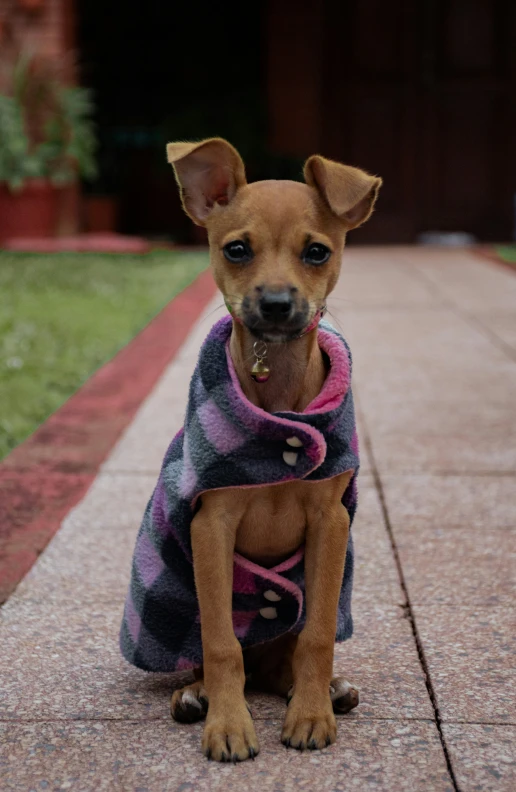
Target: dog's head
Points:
(275, 246)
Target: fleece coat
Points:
(228, 442)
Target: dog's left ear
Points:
(208, 173)
(349, 192)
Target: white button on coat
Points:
(271, 596)
(290, 457)
(295, 442)
(269, 613)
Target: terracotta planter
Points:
(31, 212)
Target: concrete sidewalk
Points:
(434, 340)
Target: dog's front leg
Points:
(310, 722)
(229, 732)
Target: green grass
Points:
(507, 253)
(64, 315)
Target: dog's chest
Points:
(273, 522)
(274, 519)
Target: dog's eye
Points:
(238, 252)
(316, 254)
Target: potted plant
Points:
(47, 141)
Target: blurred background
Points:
(421, 93)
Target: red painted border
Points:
(490, 254)
(44, 477)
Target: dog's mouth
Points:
(275, 335)
(280, 320)
(277, 332)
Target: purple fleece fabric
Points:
(228, 442)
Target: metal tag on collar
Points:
(260, 371)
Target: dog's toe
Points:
(230, 738)
(344, 696)
(190, 704)
(306, 726)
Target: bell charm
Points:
(260, 371)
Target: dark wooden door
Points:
(370, 94)
(468, 143)
(424, 94)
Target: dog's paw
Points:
(344, 696)
(190, 704)
(309, 725)
(230, 736)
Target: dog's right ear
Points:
(208, 173)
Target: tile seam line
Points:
(408, 606)
(468, 318)
(354, 721)
(278, 719)
(459, 722)
(413, 272)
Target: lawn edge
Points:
(488, 253)
(44, 477)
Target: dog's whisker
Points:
(337, 322)
(210, 314)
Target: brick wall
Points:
(43, 26)
(40, 29)
(47, 28)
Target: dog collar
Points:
(260, 371)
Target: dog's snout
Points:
(276, 306)
(275, 311)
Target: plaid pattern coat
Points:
(228, 442)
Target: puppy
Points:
(243, 565)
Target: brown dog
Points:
(276, 249)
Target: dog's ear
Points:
(349, 192)
(208, 173)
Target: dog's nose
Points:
(276, 306)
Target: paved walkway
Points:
(434, 341)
